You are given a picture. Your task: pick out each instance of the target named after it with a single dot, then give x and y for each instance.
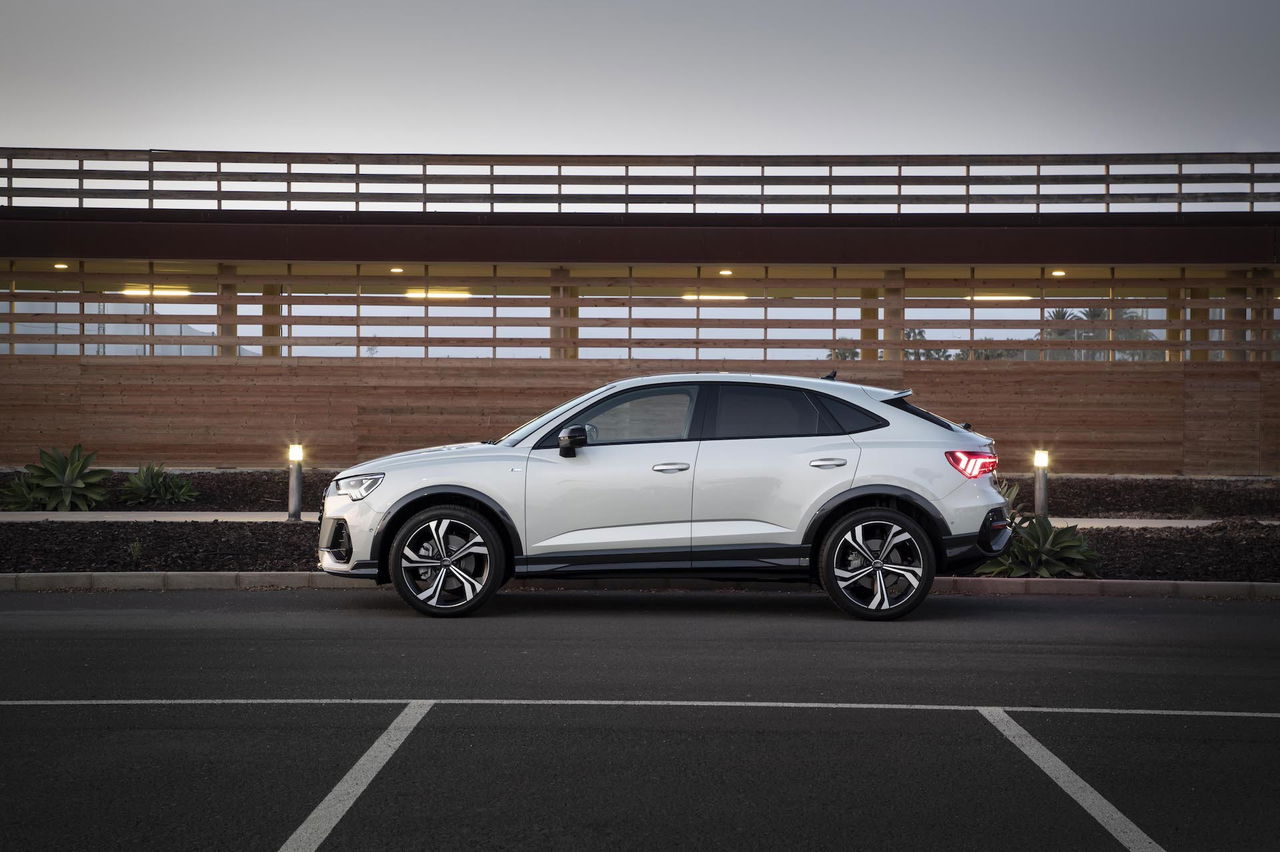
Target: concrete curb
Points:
(225, 580)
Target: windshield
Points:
(522, 432)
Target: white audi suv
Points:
(707, 475)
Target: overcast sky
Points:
(657, 76)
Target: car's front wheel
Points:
(447, 561)
(876, 564)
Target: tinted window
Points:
(902, 405)
(752, 411)
(648, 414)
(850, 417)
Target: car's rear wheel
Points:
(876, 564)
(447, 561)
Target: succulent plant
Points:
(64, 482)
(1039, 549)
(154, 485)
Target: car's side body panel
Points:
(761, 490)
(730, 508)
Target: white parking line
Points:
(316, 827)
(606, 702)
(1107, 815)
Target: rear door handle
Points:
(827, 464)
(670, 467)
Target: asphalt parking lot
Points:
(341, 720)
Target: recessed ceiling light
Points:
(397, 269)
(726, 271)
(60, 266)
(159, 290)
(437, 294)
(1058, 273)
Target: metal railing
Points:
(226, 180)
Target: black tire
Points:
(852, 574)
(473, 566)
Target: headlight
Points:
(358, 487)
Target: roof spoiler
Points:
(884, 394)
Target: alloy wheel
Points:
(445, 563)
(878, 565)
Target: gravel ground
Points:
(157, 546)
(1069, 497)
(1231, 550)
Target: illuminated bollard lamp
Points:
(1041, 462)
(295, 482)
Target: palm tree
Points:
(1060, 314)
(922, 354)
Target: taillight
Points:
(970, 464)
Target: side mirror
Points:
(572, 437)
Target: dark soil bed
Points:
(1069, 497)
(1164, 497)
(158, 545)
(1231, 550)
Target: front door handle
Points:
(827, 464)
(670, 467)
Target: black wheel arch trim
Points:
(897, 492)
(381, 535)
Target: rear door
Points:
(770, 456)
(627, 496)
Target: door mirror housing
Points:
(572, 437)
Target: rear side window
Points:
(902, 405)
(754, 411)
(850, 417)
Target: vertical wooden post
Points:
(272, 311)
(1198, 315)
(1233, 336)
(894, 294)
(227, 310)
(563, 333)
(1173, 335)
(1265, 298)
(869, 334)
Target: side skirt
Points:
(772, 562)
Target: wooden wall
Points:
(1138, 418)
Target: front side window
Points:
(753, 411)
(643, 415)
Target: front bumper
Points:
(346, 536)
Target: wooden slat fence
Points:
(1157, 418)
(76, 312)
(608, 183)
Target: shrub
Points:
(1039, 549)
(21, 495)
(154, 485)
(64, 482)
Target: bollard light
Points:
(295, 482)
(1041, 462)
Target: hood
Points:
(383, 464)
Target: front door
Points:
(626, 498)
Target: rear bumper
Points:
(991, 540)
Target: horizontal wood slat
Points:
(1160, 418)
